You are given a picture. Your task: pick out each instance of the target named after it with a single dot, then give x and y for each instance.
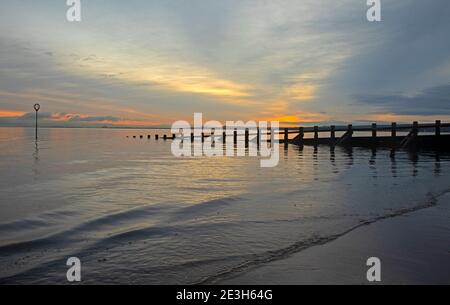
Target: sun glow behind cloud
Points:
(10, 114)
(154, 70)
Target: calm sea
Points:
(134, 214)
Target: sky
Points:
(150, 63)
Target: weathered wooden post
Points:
(286, 137)
(394, 129)
(316, 135)
(415, 128)
(333, 134)
(235, 136)
(301, 135)
(247, 136)
(258, 136)
(438, 128)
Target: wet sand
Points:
(414, 248)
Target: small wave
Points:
(64, 236)
(128, 216)
(204, 207)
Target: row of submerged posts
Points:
(408, 136)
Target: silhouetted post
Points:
(258, 136)
(165, 137)
(374, 130)
(316, 135)
(394, 129)
(203, 137)
(350, 131)
(415, 128)
(301, 134)
(333, 133)
(235, 136)
(36, 108)
(286, 137)
(157, 137)
(224, 137)
(149, 137)
(192, 137)
(247, 136)
(438, 128)
(173, 136)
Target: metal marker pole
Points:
(36, 108)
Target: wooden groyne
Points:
(414, 136)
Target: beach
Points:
(412, 248)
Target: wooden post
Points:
(438, 128)
(286, 137)
(316, 135)
(192, 137)
(333, 133)
(350, 131)
(258, 136)
(235, 136)
(301, 133)
(224, 137)
(415, 128)
(247, 137)
(374, 130)
(394, 129)
(203, 137)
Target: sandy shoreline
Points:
(414, 249)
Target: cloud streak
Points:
(48, 119)
(430, 101)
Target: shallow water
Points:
(133, 213)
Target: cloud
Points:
(48, 119)
(430, 101)
(228, 59)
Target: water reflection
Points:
(393, 163)
(413, 156)
(437, 164)
(36, 158)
